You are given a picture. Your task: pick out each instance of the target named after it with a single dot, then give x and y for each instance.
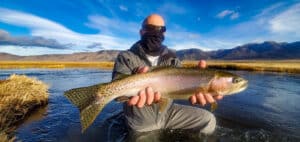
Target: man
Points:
(142, 111)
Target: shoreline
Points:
(287, 66)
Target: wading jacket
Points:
(128, 61)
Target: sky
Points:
(36, 27)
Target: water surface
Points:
(266, 111)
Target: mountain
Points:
(265, 50)
(192, 54)
(104, 55)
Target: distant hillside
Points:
(192, 54)
(104, 55)
(265, 50)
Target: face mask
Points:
(152, 43)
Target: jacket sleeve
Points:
(177, 62)
(121, 67)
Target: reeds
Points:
(19, 95)
(54, 65)
(289, 66)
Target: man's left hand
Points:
(204, 98)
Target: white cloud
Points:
(287, 22)
(234, 16)
(26, 51)
(205, 44)
(123, 8)
(108, 25)
(171, 8)
(49, 29)
(189, 45)
(277, 22)
(269, 11)
(224, 13)
(228, 13)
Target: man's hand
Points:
(201, 98)
(146, 96)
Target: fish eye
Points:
(236, 79)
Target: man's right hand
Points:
(145, 96)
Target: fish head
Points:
(225, 83)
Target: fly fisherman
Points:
(142, 112)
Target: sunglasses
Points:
(152, 28)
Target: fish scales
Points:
(176, 83)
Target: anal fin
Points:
(213, 106)
(163, 103)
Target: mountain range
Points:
(266, 50)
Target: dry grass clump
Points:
(54, 64)
(19, 95)
(5, 138)
(289, 66)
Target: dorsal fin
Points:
(122, 76)
(158, 68)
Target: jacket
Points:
(128, 61)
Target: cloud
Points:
(27, 50)
(287, 22)
(205, 44)
(123, 8)
(41, 27)
(234, 16)
(6, 39)
(171, 8)
(112, 26)
(95, 45)
(228, 13)
(277, 22)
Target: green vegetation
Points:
(19, 95)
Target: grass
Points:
(54, 65)
(289, 66)
(19, 95)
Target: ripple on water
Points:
(267, 111)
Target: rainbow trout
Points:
(174, 83)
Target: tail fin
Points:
(88, 102)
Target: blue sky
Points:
(57, 27)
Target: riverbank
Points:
(54, 64)
(289, 66)
(19, 95)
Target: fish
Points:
(171, 82)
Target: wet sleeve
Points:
(177, 62)
(121, 67)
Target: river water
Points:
(267, 111)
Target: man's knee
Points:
(210, 125)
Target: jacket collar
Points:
(138, 50)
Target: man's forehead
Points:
(154, 19)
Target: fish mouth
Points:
(243, 86)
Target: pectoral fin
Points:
(163, 103)
(213, 106)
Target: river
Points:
(267, 111)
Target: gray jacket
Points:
(128, 61)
